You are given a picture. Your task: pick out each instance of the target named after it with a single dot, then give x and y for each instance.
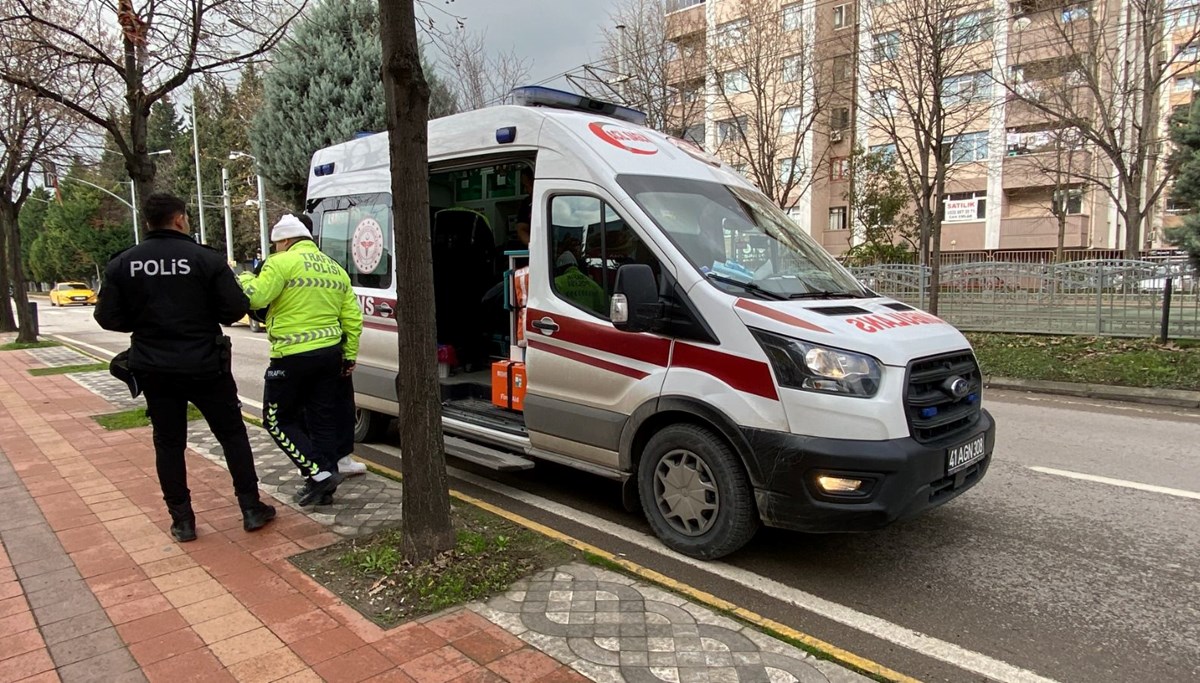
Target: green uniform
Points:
(312, 305)
(581, 289)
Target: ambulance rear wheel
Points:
(695, 493)
(369, 425)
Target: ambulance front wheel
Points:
(369, 425)
(695, 493)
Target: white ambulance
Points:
(677, 332)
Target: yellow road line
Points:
(703, 597)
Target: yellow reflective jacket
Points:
(312, 305)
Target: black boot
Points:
(255, 514)
(314, 491)
(183, 522)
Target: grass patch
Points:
(1095, 360)
(491, 554)
(133, 419)
(21, 346)
(67, 369)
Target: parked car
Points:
(72, 293)
(1183, 278)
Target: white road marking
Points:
(1118, 482)
(105, 353)
(935, 648)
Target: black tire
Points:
(369, 425)
(735, 519)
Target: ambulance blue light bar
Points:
(541, 96)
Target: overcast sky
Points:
(558, 35)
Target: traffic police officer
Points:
(173, 295)
(313, 324)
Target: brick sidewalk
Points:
(92, 588)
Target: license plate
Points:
(961, 457)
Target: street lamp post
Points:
(228, 214)
(132, 203)
(262, 201)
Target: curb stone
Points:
(1176, 398)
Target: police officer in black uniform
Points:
(173, 295)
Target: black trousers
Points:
(302, 406)
(215, 395)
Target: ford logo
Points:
(957, 387)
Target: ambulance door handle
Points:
(546, 325)
(385, 310)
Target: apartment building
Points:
(1011, 163)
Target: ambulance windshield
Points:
(740, 240)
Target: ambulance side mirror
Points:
(635, 306)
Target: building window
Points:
(885, 46)
(1185, 83)
(1074, 13)
(839, 168)
(793, 16)
(839, 118)
(965, 207)
(731, 130)
(788, 170)
(1073, 199)
(969, 147)
(1183, 13)
(841, 16)
(885, 102)
(969, 28)
(793, 68)
(735, 82)
(887, 151)
(969, 88)
(731, 34)
(695, 134)
(790, 120)
(837, 218)
(842, 68)
(1177, 207)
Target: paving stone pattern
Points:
(82, 642)
(603, 625)
(59, 356)
(362, 505)
(612, 628)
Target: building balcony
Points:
(1041, 232)
(685, 18)
(686, 70)
(1023, 170)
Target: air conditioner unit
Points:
(835, 136)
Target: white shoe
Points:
(349, 466)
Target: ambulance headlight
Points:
(812, 367)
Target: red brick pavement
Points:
(228, 607)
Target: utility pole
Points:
(262, 218)
(199, 190)
(228, 214)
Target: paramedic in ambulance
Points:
(520, 241)
(314, 324)
(573, 285)
(173, 295)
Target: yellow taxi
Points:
(68, 293)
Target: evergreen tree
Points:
(1185, 133)
(30, 222)
(323, 88)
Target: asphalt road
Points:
(1033, 575)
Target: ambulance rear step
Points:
(486, 457)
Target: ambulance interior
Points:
(474, 213)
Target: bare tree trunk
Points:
(1061, 215)
(7, 322)
(426, 530)
(8, 224)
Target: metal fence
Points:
(1096, 296)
